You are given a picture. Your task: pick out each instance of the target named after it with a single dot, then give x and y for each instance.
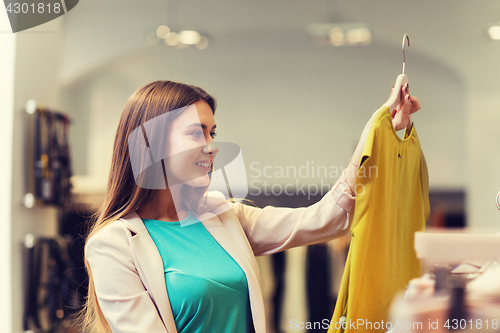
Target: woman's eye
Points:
(197, 134)
(200, 134)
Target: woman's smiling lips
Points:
(205, 165)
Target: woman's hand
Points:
(401, 116)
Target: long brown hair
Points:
(123, 196)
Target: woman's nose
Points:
(211, 148)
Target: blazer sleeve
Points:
(274, 229)
(122, 297)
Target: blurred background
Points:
(295, 80)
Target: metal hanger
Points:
(401, 80)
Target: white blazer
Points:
(128, 269)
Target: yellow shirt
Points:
(392, 202)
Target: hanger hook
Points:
(403, 47)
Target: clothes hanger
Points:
(401, 80)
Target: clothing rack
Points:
(47, 154)
(50, 291)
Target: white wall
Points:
(483, 157)
(36, 68)
(7, 62)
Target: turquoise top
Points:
(208, 290)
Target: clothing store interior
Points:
(296, 81)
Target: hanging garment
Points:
(49, 285)
(48, 157)
(392, 203)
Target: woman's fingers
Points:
(415, 104)
(408, 105)
(401, 115)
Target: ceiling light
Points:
(359, 36)
(177, 35)
(494, 32)
(189, 37)
(162, 31)
(339, 34)
(179, 39)
(172, 39)
(203, 43)
(336, 37)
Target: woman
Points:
(165, 255)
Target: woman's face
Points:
(190, 146)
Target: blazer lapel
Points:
(150, 267)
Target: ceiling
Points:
(451, 32)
